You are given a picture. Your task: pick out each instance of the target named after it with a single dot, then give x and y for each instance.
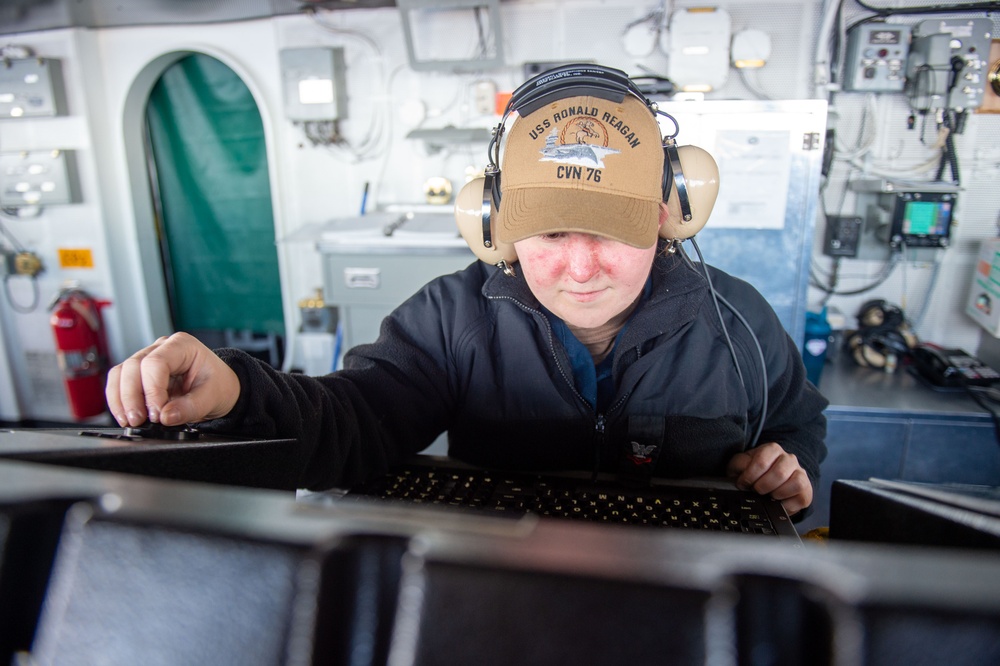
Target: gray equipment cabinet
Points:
(373, 263)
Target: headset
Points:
(883, 333)
(690, 187)
(690, 174)
(879, 312)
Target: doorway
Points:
(211, 194)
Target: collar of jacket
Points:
(678, 293)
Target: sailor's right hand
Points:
(173, 381)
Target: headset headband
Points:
(572, 81)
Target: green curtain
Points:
(211, 169)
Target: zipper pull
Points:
(598, 445)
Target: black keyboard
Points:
(680, 506)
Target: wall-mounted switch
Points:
(31, 87)
(38, 178)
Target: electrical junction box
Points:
(948, 66)
(983, 303)
(31, 87)
(313, 83)
(876, 57)
(699, 48)
(38, 178)
(843, 234)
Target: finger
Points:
(796, 493)
(186, 408)
(126, 388)
(130, 391)
(761, 459)
(112, 395)
(211, 398)
(203, 387)
(156, 373)
(795, 504)
(737, 464)
(777, 474)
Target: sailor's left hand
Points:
(770, 470)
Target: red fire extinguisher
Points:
(82, 350)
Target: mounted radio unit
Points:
(901, 215)
(921, 219)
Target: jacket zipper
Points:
(598, 445)
(600, 419)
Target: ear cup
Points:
(469, 218)
(872, 313)
(873, 358)
(880, 313)
(863, 352)
(872, 347)
(701, 175)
